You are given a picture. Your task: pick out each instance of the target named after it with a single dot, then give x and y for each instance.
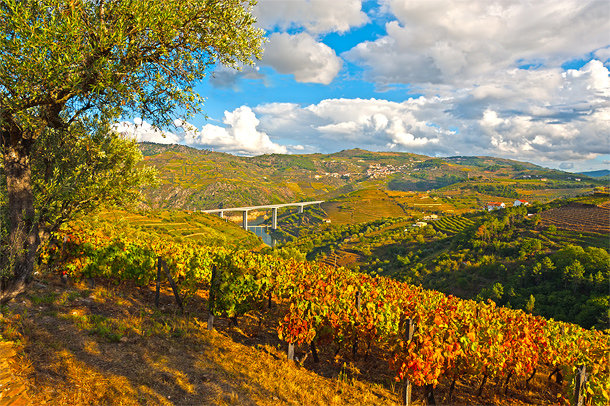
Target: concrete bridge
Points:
(273, 208)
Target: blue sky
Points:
(525, 80)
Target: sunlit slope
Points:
(180, 226)
(202, 179)
(554, 260)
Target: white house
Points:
(521, 202)
(495, 206)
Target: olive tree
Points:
(72, 66)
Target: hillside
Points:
(109, 345)
(558, 255)
(372, 200)
(201, 179)
(179, 226)
(78, 345)
(596, 174)
(99, 337)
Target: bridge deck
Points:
(269, 206)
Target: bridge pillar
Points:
(221, 214)
(301, 209)
(274, 218)
(245, 221)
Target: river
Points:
(261, 231)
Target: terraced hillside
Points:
(504, 255)
(199, 179)
(579, 217)
(181, 226)
(452, 224)
(342, 258)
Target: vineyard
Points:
(423, 335)
(452, 224)
(577, 217)
(341, 258)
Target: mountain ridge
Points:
(202, 179)
(596, 174)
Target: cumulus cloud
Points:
(145, 132)
(603, 54)
(336, 124)
(225, 77)
(240, 135)
(547, 115)
(449, 42)
(543, 115)
(316, 16)
(302, 56)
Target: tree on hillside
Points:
(78, 170)
(68, 69)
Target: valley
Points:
(194, 179)
(399, 237)
(374, 200)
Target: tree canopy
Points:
(68, 69)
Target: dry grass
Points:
(111, 346)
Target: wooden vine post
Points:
(406, 392)
(162, 263)
(579, 385)
(291, 351)
(211, 300)
(270, 302)
(355, 347)
(158, 281)
(314, 351)
(63, 248)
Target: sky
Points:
(525, 80)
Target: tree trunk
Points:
(23, 240)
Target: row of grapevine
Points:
(579, 218)
(452, 225)
(453, 339)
